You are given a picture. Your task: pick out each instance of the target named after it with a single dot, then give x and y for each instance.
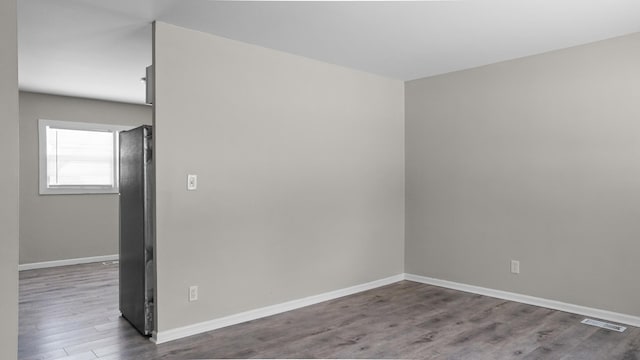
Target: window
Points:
(78, 158)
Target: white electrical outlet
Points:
(515, 267)
(193, 293)
(192, 182)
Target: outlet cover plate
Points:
(193, 293)
(192, 182)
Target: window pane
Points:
(80, 157)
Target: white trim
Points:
(44, 188)
(189, 330)
(49, 264)
(181, 332)
(531, 300)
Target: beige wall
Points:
(8, 181)
(300, 170)
(59, 227)
(536, 159)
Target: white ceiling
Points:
(99, 48)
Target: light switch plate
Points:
(515, 267)
(192, 182)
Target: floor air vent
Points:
(604, 325)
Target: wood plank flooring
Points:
(71, 313)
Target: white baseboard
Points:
(181, 332)
(49, 264)
(531, 300)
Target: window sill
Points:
(78, 191)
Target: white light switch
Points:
(515, 267)
(192, 182)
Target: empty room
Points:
(320, 179)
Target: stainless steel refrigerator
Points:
(137, 268)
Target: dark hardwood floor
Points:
(72, 313)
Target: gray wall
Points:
(300, 170)
(536, 159)
(59, 227)
(8, 180)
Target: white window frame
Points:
(72, 125)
